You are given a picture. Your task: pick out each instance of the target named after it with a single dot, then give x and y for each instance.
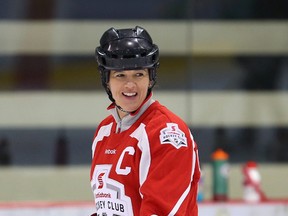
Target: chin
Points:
(131, 109)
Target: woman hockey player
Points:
(145, 161)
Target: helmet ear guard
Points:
(104, 74)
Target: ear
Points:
(151, 84)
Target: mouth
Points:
(129, 94)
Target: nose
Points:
(130, 84)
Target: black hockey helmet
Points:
(126, 49)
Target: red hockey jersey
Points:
(145, 164)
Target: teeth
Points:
(129, 94)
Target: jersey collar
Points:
(126, 122)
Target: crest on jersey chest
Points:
(173, 135)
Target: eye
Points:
(140, 74)
(119, 75)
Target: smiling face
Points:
(129, 88)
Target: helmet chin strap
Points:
(121, 109)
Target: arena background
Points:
(224, 69)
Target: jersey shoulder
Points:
(165, 127)
(160, 115)
(108, 120)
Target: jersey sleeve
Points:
(170, 187)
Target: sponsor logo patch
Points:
(109, 194)
(110, 151)
(173, 135)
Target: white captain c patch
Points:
(173, 135)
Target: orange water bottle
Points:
(220, 168)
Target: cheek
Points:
(146, 84)
(111, 88)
